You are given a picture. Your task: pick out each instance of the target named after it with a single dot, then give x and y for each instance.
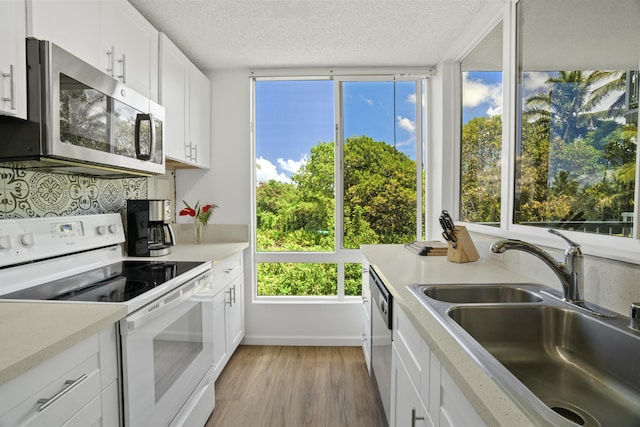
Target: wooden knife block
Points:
(465, 250)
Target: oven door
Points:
(167, 349)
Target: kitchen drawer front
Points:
(90, 415)
(226, 270)
(72, 398)
(35, 380)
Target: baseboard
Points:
(303, 341)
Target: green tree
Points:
(480, 176)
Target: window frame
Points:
(625, 249)
(339, 255)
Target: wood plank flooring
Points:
(279, 386)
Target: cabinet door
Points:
(236, 314)
(220, 353)
(13, 72)
(199, 118)
(365, 333)
(366, 315)
(406, 407)
(133, 45)
(74, 25)
(174, 97)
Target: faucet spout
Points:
(569, 271)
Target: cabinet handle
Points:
(365, 300)
(68, 386)
(229, 302)
(123, 62)
(364, 337)
(187, 150)
(234, 293)
(194, 148)
(414, 418)
(11, 98)
(110, 66)
(365, 270)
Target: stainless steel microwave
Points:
(80, 120)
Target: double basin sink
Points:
(562, 365)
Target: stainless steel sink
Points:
(563, 366)
(480, 294)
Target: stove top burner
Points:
(117, 282)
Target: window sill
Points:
(609, 247)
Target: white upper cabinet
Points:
(130, 47)
(108, 34)
(185, 93)
(200, 118)
(174, 78)
(13, 68)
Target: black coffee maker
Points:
(148, 230)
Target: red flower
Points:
(187, 211)
(206, 208)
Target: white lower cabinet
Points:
(407, 408)
(422, 392)
(365, 330)
(78, 387)
(228, 310)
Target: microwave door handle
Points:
(152, 132)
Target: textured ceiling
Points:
(229, 34)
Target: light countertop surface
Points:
(398, 268)
(33, 331)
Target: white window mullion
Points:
(338, 167)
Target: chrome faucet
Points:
(569, 271)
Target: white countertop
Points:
(398, 268)
(33, 331)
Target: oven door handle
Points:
(171, 300)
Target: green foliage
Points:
(379, 207)
(575, 163)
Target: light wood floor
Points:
(274, 386)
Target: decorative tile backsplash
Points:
(36, 194)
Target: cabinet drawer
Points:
(90, 415)
(35, 380)
(69, 393)
(226, 270)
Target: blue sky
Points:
(481, 94)
(293, 116)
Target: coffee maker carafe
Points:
(149, 231)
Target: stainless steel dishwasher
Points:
(381, 306)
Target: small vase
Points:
(198, 231)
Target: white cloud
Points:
(290, 165)
(265, 171)
(411, 98)
(534, 82)
(476, 93)
(367, 100)
(406, 124)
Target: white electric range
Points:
(166, 340)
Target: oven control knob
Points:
(113, 228)
(5, 242)
(27, 240)
(102, 230)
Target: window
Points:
(572, 124)
(481, 132)
(576, 143)
(317, 201)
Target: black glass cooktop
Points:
(117, 282)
